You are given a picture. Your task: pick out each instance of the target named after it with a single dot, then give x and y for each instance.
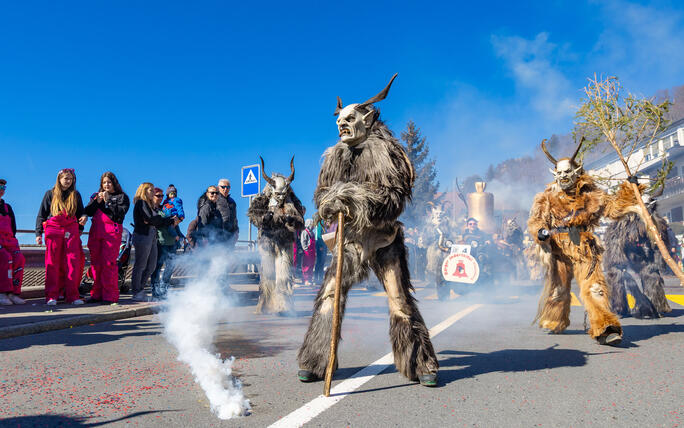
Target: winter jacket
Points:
(115, 207)
(44, 210)
(209, 220)
(6, 209)
(227, 208)
(173, 207)
(144, 217)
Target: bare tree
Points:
(625, 123)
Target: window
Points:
(673, 172)
(676, 214)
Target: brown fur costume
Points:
(582, 207)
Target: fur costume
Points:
(439, 240)
(562, 220)
(368, 176)
(565, 259)
(513, 248)
(628, 247)
(277, 213)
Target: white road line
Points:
(318, 405)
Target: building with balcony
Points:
(645, 162)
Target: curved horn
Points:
(339, 107)
(268, 179)
(546, 152)
(381, 95)
(572, 159)
(291, 177)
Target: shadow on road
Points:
(84, 335)
(637, 333)
(66, 421)
(507, 360)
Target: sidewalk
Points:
(36, 317)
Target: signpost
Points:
(250, 180)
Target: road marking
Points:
(631, 301)
(677, 298)
(318, 405)
(574, 301)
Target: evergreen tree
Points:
(426, 185)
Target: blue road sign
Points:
(251, 180)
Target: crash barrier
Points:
(34, 270)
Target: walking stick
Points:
(335, 335)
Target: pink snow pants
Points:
(103, 242)
(11, 260)
(63, 258)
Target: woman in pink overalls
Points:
(62, 216)
(11, 259)
(107, 207)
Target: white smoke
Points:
(191, 317)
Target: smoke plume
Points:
(191, 317)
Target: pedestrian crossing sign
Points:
(251, 180)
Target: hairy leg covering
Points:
(275, 286)
(595, 296)
(619, 280)
(315, 351)
(653, 284)
(413, 352)
(554, 304)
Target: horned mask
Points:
(355, 121)
(280, 185)
(437, 213)
(567, 170)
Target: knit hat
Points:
(171, 189)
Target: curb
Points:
(74, 321)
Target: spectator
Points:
(191, 235)
(308, 243)
(227, 208)
(167, 240)
(107, 207)
(209, 219)
(11, 259)
(173, 206)
(61, 216)
(321, 253)
(146, 220)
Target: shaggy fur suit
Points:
(583, 206)
(370, 183)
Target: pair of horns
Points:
(553, 160)
(269, 180)
(379, 97)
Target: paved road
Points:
(496, 370)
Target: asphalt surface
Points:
(496, 370)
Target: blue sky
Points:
(174, 92)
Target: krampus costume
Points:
(368, 177)
(628, 247)
(562, 221)
(439, 240)
(278, 214)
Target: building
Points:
(645, 163)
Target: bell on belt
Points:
(481, 207)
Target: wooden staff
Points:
(335, 334)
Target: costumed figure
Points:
(628, 248)
(278, 214)
(513, 246)
(562, 220)
(439, 240)
(368, 177)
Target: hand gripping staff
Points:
(334, 337)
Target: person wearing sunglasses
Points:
(227, 208)
(11, 259)
(209, 220)
(62, 216)
(107, 207)
(146, 219)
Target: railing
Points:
(673, 186)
